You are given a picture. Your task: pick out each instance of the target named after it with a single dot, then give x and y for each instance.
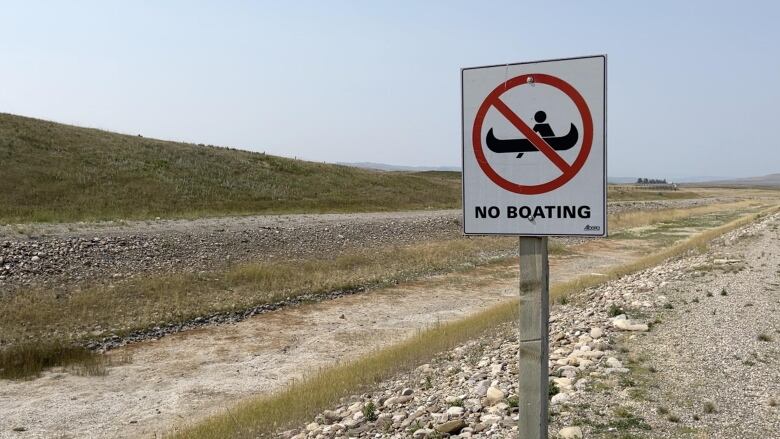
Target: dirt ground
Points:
(190, 375)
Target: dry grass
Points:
(23, 361)
(649, 217)
(302, 400)
(264, 415)
(621, 193)
(55, 172)
(33, 320)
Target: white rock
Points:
(423, 432)
(313, 426)
(596, 333)
(491, 419)
(570, 433)
(614, 362)
(559, 398)
(628, 325)
(398, 400)
(455, 411)
(494, 395)
(584, 363)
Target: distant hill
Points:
(386, 167)
(771, 180)
(55, 172)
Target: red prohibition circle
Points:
(493, 99)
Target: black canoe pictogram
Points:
(521, 146)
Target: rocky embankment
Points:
(688, 347)
(62, 255)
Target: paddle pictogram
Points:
(539, 139)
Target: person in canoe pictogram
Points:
(522, 146)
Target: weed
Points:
(552, 389)
(564, 299)
(369, 411)
(709, 407)
(513, 401)
(772, 402)
(615, 310)
(723, 292)
(695, 300)
(30, 359)
(668, 305)
(661, 410)
(764, 337)
(673, 418)
(709, 294)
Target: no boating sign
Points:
(534, 148)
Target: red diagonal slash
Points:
(531, 135)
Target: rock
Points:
(332, 415)
(423, 432)
(570, 433)
(614, 362)
(455, 411)
(398, 400)
(482, 388)
(35, 258)
(451, 427)
(563, 383)
(406, 392)
(596, 333)
(313, 426)
(494, 395)
(628, 325)
(559, 398)
(491, 419)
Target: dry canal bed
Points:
(155, 386)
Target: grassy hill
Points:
(56, 172)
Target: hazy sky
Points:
(693, 89)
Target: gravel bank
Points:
(61, 255)
(648, 355)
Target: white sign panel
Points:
(534, 148)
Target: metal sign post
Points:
(534, 139)
(533, 337)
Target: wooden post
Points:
(534, 347)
